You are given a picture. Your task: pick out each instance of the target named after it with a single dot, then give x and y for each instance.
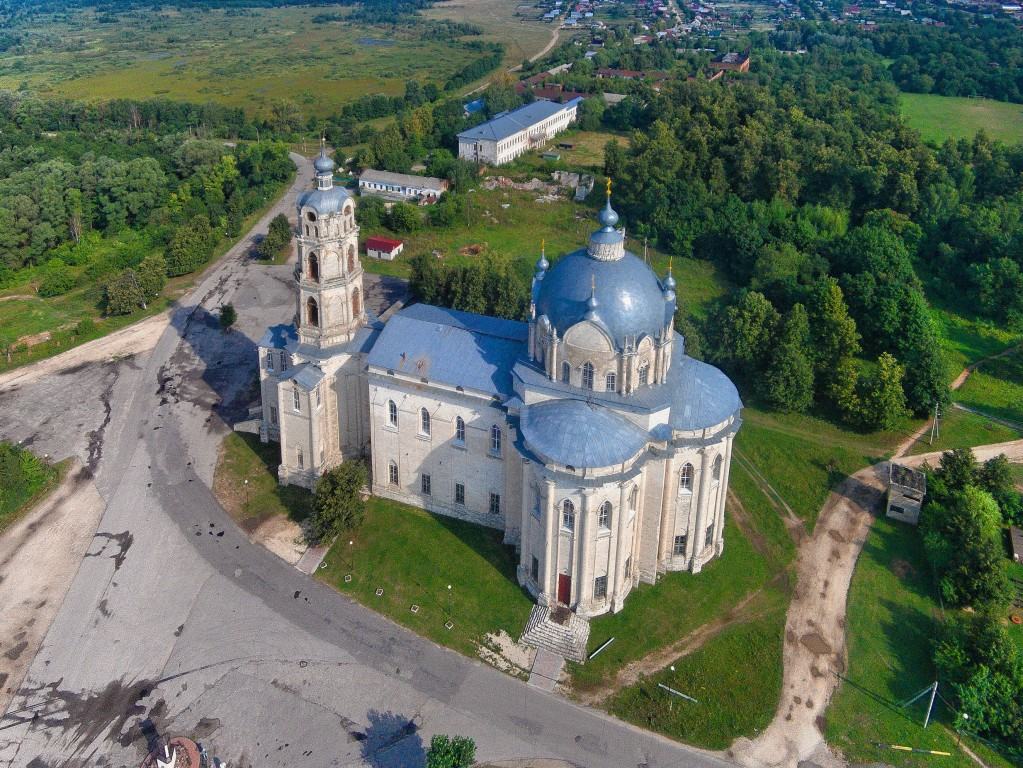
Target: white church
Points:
(586, 434)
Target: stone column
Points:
(667, 530)
(695, 544)
(719, 539)
(525, 527)
(584, 590)
(553, 545)
(619, 549)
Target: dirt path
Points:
(912, 440)
(547, 48)
(39, 556)
(793, 523)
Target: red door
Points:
(564, 588)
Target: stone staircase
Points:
(557, 630)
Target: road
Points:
(176, 623)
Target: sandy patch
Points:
(282, 537)
(501, 651)
(39, 557)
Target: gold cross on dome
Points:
(609, 186)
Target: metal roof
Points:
(516, 121)
(324, 201)
(305, 375)
(580, 434)
(402, 179)
(451, 347)
(278, 336)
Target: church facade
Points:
(586, 434)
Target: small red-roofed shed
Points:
(383, 248)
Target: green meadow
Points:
(952, 117)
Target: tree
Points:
(833, 336)
(614, 159)
(191, 247)
(337, 502)
(995, 477)
(228, 316)
(404, 218)
(124, 294)
(745, 334)
(882, 401)
(371, 212)
(279, 234)
(152, 275)
(788, 381)
(57, 279)
(450, 752)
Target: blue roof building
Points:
(506, 136)
(585, 434)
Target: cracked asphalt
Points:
(175, 623)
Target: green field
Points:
(951, 117)
(243, 58)
(962, 429)
(523, 35)
(996, 388)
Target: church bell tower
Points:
(329, 273)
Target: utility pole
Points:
(931, 689)
(930, 707)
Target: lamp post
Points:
(245, 500)
(468, 206)
(959, 730)
(351, 555)
(449, 599)
(670, 702)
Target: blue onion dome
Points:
(323, 164)
(669, 283)
(543, 265)
(607, 216)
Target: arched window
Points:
(566, 373)
(604, 515)
(356, 304)
(634, 497)
(392, 473)
(392, 413)
(685, 479)
(424, 421)
(495, 439)
(310, 216)
(568, 515)
(609, 382)
(459, 429)
(644, 373)
(351, 259)
(314, 267)
(717, 468)
(312, 312)
(588, 375)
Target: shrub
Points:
(337, 503)
(57, 279)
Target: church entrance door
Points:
(564, 588)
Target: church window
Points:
(356, 305)
(312, 312)
(314, 267)
(351, 259)
(685, 479)
(568, 515)
(392, 413)
(495, 503)
(298, 400)
(321, 455)
(495, 439)
(609, 382)
(310, 216)
(680, 545)
(300, 458)
(273, 415)
(534, 570)
(392, 473)
(424, 422)
(717, 468)
(459, 430)
(459, 493)
(709, 538)
(628, 567)
(566, 373)
(634, 498)
(587, 375)
(425, 485)
(644, 374)
(284, 362)
(604, 515)
(600, 588)
(270, 361)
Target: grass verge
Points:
(962, 429)
(996, 388)
(735, 677)
(413, 556)
(13, 506)
(952, 117)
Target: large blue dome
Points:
(630, 300)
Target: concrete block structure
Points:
(508, 135)
(401, 187)
(906, 490)
(586, 435)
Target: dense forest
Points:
(122, 193)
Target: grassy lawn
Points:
(766, 530)
(965, 340)
(516, 232)
(689, 600)
(413, 556)
(804, 457)
(996, 388)
(1015, 571)
(588, 149)
(892, 618)
(960, 429)
(243, 458)
(523, 35)
(736, 678)
(14, 502)
(950, 117)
